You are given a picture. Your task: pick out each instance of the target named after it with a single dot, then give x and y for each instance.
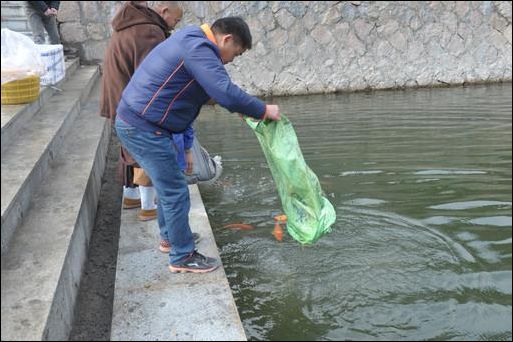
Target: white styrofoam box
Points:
(53, 58)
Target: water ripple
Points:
(469, 205)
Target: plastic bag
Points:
(20, 57)
(205, 169)
(309, 213)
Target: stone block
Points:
(322, 35)
(72, 32)
(69, 11)
(90, 11)
(504, 9)
(507, 35)
(362, 28)
(94, 51)
(97, 31)
(284, 18)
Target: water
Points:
(422, 245)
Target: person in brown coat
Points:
(137, 29)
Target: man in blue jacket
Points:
(165, 96)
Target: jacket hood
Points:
(130, 15)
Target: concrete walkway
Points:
(151, 303)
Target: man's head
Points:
(170, 11)
(232, 36)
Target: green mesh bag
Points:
(309, 213)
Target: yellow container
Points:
(20, 91)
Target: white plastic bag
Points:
(20, 57)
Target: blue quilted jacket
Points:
(176, 78)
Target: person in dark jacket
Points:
(165, 96)
(42, 15)
(137, 29)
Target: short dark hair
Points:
(235, 26)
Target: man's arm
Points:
(188, 139)
(206, 67)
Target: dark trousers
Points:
(39, 22)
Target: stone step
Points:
(12, 3)
(153, 304)
(13, 11)
(15, 117)
(27, 158)
(16, 24)
(41, 272)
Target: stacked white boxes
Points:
(53, 58)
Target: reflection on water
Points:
(421, 182)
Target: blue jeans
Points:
(156, 154)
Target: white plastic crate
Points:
(53, 58)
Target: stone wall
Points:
(324, 46)
(85, 25)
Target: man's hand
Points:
(272, 112)
(188, 162)
(54, 11)
(48, 12)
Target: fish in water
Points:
(278, 232)
(239, 226)
(280, 218)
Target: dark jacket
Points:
(137, 30)
(176, 79)
(42, 6)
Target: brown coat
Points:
(137, 30)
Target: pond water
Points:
(422, 245)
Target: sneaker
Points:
(129, 203)
(194, 263)
(147, 214)
(165, 247)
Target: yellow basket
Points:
(20, 91)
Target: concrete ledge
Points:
(41, 272)
(15, 117)
(28, 157)
(151, 303)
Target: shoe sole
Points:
(165, 249)
(144, 218)
(175, 269)
(131, 206)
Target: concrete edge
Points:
(60, 318)
(151, 303)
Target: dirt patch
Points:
(93, 312)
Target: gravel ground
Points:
(93, 313)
